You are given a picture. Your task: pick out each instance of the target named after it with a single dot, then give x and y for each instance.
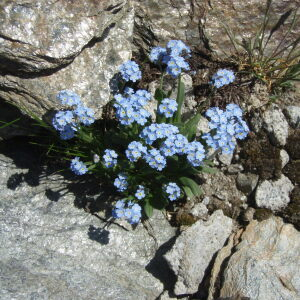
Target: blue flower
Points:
(69, 98)
(140, 193)
(195, 153)
(227, 126)
(157, 131)
(172, 56)
(110, 158)
(121, 183)
(130, 71)
(157, 53)
(173, 190)
(155, 160)
(85, 115)
(131, 108)
(222, 77)
(132, 213)
(135, 151)
(67, 133)
(62, 119)
(167, 107)
(78, 167)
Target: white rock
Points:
(194, 249)
(276, 125)
(293, 115)
(284, 158)
(199, 210)
(274, 195)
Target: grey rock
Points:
(273, 195)
(246, 182)
(221, 186)
(199, 210)
(202, 126)
(225, 159)
(234, 169)
(194, 249)
(276, 125)
(243, 18)
(47, 46)
(166, 20)
(293, 115)
(53, 250)
(265, 264)
(284, 158)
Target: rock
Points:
(76, 46)
(158, 22)
(293, 115)
(225, 159)
(234, 169)
(265, 264)
(202, 126)
(246, 182)
(276, 125)
(199, 210)
(194, 250)
(243, 19)
(221, 186)
(273, 195)
(222, 255)
(248, 214)
(53, 250)
(284, 158)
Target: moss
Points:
(262, 214)
(292, 171)
(293, 145)
(260, 157)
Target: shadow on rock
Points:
(159, 267)
(99, 235)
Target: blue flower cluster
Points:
(174, 144)
(131, 108)
(68, 98)
(227, 126)
(167, 107)
(155, 160)
(173, 190)
(132, 213)
(130, 71)
(78, 167)
(110, 158)
(195, 153)
(65, 121)
(172, 56)
(121, 183)
(222, 77)
(135, 151)
(140, 193)
(157, 131)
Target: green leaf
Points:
(179, 100)
(148, 208)
(188, 192)
(196, 190)
(208, 170)
(159, 94)
(190, 127)
(9, 123)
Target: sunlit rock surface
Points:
(53, 250)
(265, 264)
(47, 46)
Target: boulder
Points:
(194, 250)
(265, 265)
(53, 250)
(48, 46)
(273, 195)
